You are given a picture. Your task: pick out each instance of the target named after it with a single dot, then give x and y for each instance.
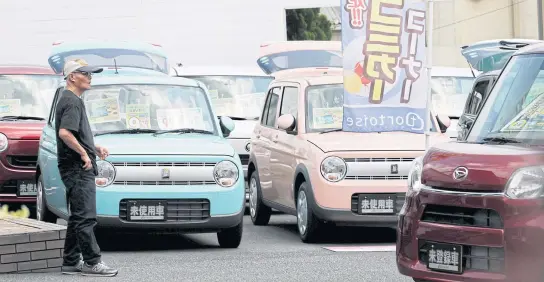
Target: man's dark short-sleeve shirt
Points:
(70, 114)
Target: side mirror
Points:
(286, 122)
(227, 125)
(444, 122)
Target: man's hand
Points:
(103, 153)
(87, 165)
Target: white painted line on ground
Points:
(370, 248)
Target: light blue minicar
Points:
(170, 164)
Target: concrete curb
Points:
(28, 245)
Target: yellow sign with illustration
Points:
(138, 116)
(10, 107)
(327, 117)
(103, 110)
(530, 119)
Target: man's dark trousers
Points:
(81, 200)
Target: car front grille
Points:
(178, 210)
(164, 183)
(453, 215)
(23, 161)
(474, 257)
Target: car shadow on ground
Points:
(348, 235)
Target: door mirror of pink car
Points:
(444, 119)
(286, 122)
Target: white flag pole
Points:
(429, 60)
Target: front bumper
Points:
(508, 248)
(18, 164)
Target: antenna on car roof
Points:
(115, 64)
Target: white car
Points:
(236, 92)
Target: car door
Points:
(53, 187)
(473, 105)
(262, 142)
(283, 148)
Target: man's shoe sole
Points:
(99, 275)
(71, 273)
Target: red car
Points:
(474, 209)
(26, 94)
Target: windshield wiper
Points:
(242, 118)
(331, 130)
(500, 140)
(127, 131)
(21, 117)
(185, 130)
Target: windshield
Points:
(27, 95)
(515, 107)
(236, 96)
(105, 58)
(449, 94)
(157, 107)
(324, 108)
(300, 59)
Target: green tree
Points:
(308, 24)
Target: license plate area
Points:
(377, 204)
(146, 210)
(444, 257)
(26, 188)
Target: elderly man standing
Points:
(77, 166)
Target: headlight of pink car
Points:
(333, 169)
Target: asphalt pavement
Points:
(269, 253)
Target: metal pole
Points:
(540, 20)
(429, 67)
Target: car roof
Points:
(26, 69)
(141, 79)
(450, 71)
(313, 76)
(70, 46)
(218, 70)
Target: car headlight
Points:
(106, 173)
(526, 183)
(333, 169)
(225, 173)
(414, 176)
(3, 142)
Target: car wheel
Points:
(230, 238)
(42, 212)
(308, 224)
(258, 211)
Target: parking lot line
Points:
(365, 248)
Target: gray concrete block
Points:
(14, 257)
(47, 270)
(44, 236)
(56, 244)
(30, 265)
(7, 249)
(7, 268)
(14, 239)
(45, 254)
(62, 234)
(30, 247)
(56, 262)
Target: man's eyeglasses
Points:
(87, 74)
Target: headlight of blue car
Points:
(225, 173)
(106, 173)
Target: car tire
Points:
(230, 238)
(258, 211)
(42, 212)
(308, 225)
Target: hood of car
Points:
(165, 144)
(388, 141)
(22, 129)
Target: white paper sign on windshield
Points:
(180, 118)
(10, 107)
(327, 117)
(529, 119)
(137, 116)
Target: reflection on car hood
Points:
(165, 144)
(388, 141)
(243, 129)
(22, 129)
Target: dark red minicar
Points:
(474, 209)
(25, 100)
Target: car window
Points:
(289, 102)
(266, 109)
(54, 107)
(272, 110)
(476, 97)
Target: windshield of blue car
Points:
(236, 95)
(156, 107)
(324, 108)
(449, 94)
(514, 110)
(27, 95)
